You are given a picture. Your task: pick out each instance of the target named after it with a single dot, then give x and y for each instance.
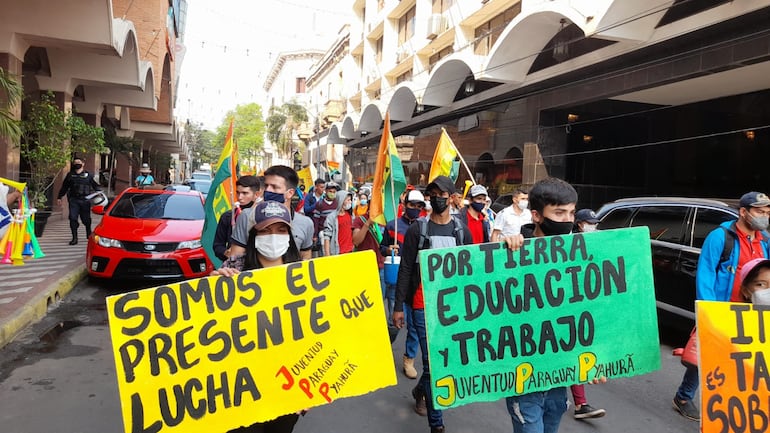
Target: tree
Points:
(202, 144)
(11, 93)
(50, 137)
(283, 125)
(248, 132)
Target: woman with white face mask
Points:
(270, 244)
(755, 281)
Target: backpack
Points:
(458, 232)
(727, 250)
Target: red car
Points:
(149, 234)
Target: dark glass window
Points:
(706, 220)
(616, 219)
(666, 223)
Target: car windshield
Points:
(199, 175)
(158, 206)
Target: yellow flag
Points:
(445, 154)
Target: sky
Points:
(232, 45)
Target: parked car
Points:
(149, 234)
(203, 175)
(678, 226)
(200, 185)
(501, 202)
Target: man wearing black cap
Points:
(715, 278)
(442, 230)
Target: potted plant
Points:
(50, 137)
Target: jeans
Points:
(689, 385)
(537, 412)
(412, 342)
(435, 418)
(389, 299)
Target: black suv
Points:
(678, 226)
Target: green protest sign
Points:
(560, 311)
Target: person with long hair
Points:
(270, 243)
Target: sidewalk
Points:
(26, 292)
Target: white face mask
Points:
(761, 297)
(272, 246)
(587, 228)
(523, 204)
(347, 206)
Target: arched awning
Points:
(445, 82)
(402, 104)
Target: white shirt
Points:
(509, 223)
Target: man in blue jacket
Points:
(715, 278)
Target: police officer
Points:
(77, 185)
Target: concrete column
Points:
(9, 150)
(534, 167)
(92, 160)
(63, 101)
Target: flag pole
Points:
(393, 194)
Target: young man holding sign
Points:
(552, 202)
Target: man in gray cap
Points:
(745, 239)
(474, 216)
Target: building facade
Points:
(616, 96)
(114, 62)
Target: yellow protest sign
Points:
(734, 347)
(217, 353)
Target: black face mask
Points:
(273, 196)
(478, 207)
(550, 227)
(439, 204)
(77, 166)
(412, 213)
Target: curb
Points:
(38, 306)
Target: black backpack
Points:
(458, 232)
(727, 249)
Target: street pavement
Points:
(28, 291)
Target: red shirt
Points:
(345, 232)
(476, 227)
(749, 249)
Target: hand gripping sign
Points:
(218, 353)
(560, 311)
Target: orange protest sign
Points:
(734, 345)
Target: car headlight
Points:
(107, 242)
(195, 243)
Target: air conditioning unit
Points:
(437, 24)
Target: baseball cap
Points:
(752, 267)
(415, 196)
(478, 190)
(586, 215)
(332, 185)
(442, 183)
(755, 199)
(269, 212)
